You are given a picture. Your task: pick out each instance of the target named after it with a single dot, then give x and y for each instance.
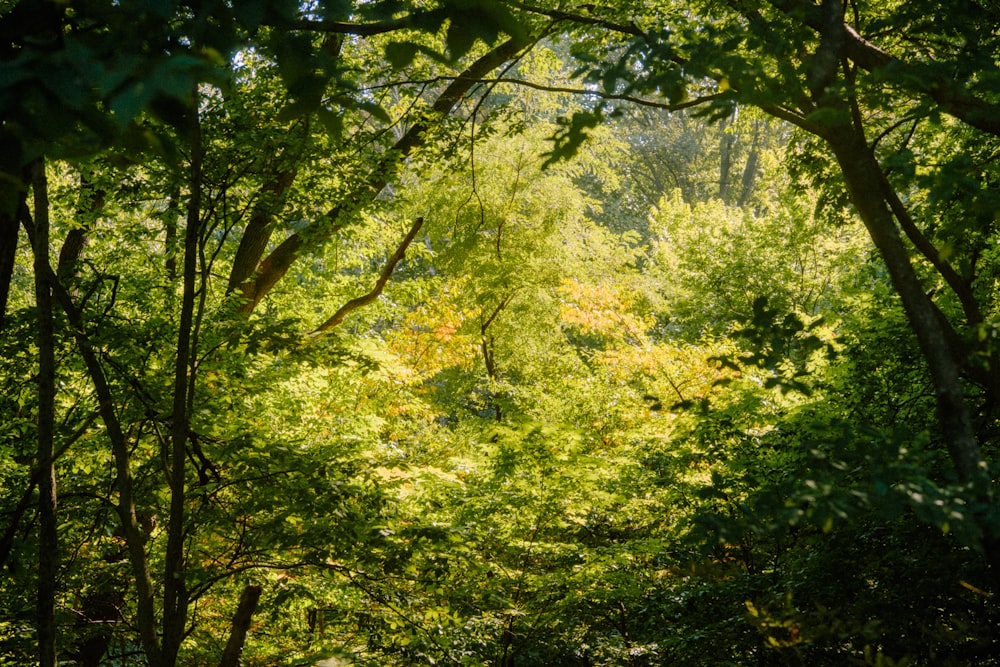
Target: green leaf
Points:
(460, 37)
(332, 122)
(400, 54)
(126, 105)
(376, 110)
(250, 12)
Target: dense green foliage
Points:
(484, 333)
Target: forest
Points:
(499, 332)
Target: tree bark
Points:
(863, 177)
(48, 540)
(175, 593)
(8, 251)
(240, 627)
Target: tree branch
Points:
(955, 102)
(274, 267)
(358, 29)
(560, 15)
(240, 627)
(337, 318)
(258, 230)
(666, 106)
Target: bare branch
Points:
(687, 104)
(359, 29)
(337, 318)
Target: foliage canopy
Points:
(499, 333)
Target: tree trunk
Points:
(134, 540)
(91, 201)
(48, 543)
(8, 250)
(170, 235)
(725, 161)
(489, 354)
(863, 177)
(750, 169)
(241, 625)
(175, 594)
(874, 201)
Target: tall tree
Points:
(155, 92)
(48, 541)
(837, 76)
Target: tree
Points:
(155, 93)
(320, 337)
(814, 68)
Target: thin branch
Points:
(337, 318)
(485, 324)
(687, 104)
(794, 118)
(358, 29)
(958, 285)
(559, 15)
(7, 541)
(641, 101)
(913, 120)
